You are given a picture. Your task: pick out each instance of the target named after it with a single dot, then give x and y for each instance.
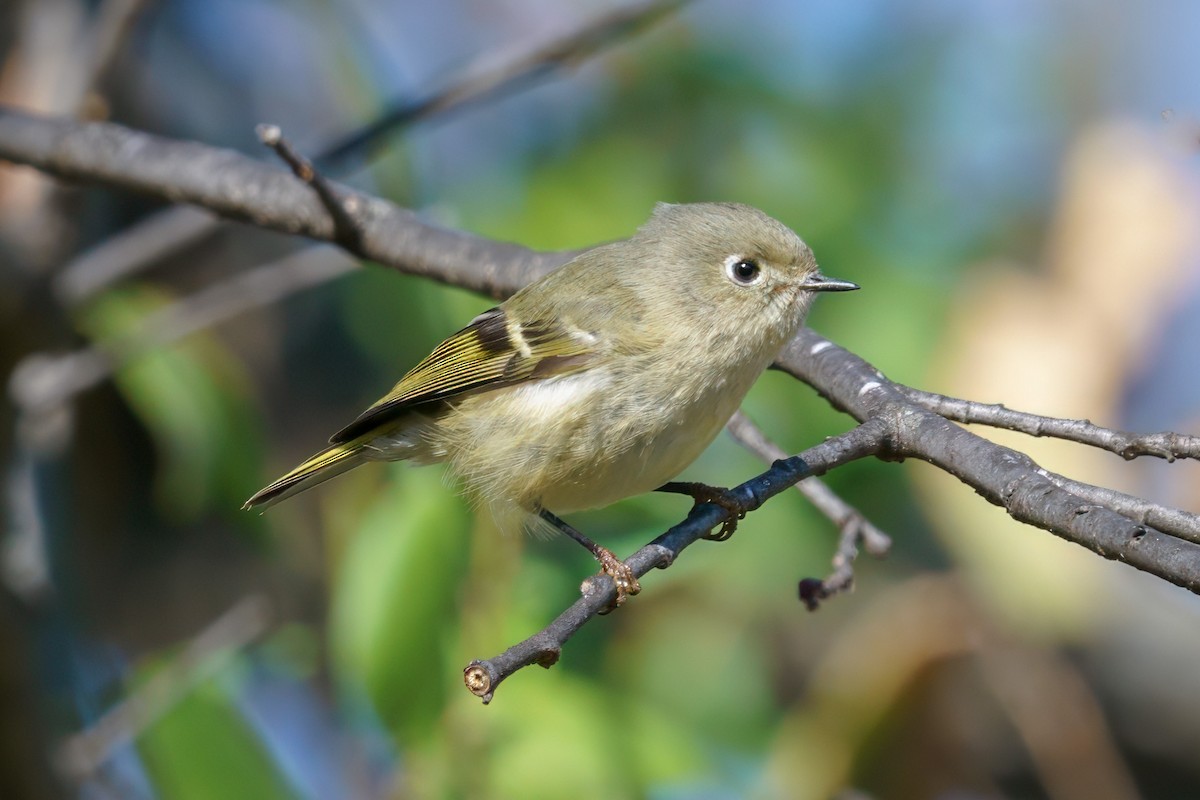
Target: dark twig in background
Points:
(176, 229)
(44, 382)
(86, 751)
(132, 250)
(115, 22)
(853, 527)
(497, 77)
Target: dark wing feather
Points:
(483, 355)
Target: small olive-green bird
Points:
(600, 381)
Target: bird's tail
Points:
(329, 463)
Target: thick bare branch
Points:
(240, 188)
(1182, 524)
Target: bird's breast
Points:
(645, 435)
(588, 439)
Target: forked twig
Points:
(853, 527)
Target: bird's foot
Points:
(621, 574)
(703, 493)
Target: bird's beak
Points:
(819, 283)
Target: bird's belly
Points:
(642, 451)
(649, 462)
(585, 440)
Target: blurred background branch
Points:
(493, 76)
(81, 754)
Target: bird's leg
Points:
(626, 582)
(703, 493)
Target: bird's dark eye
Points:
(743, 271)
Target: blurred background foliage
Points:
(1013, 184)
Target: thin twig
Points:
(1174, 521)
(83, 753)
(495, 77)
(42, 382)
(342, 208)
(1166, 444)
(852, 526)
(599, 592)
(813, 591)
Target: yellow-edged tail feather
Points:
(329, 463)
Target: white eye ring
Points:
(742, 270)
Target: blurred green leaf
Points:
(603, 192)
(194, 401)
(394, 607)
(557, 736)
(202, 749)
(398, 319)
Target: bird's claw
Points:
(703, 493)
(622, 577)
(728, 526)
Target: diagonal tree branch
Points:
(599, 592)
(246, 190)
(1181, 524)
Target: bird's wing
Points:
(491, 352)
